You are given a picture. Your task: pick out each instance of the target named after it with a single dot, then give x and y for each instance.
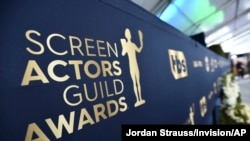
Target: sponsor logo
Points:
(178, 64)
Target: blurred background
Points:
(220, 25)
(217, 24)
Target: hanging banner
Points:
(75, 70)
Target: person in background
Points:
(240, 69)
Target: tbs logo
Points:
(178, 64)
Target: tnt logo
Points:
(178, 64)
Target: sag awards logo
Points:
(203, 106)
(191, 120)
(90, 91)
(130, 48)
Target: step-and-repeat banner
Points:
(78, 70)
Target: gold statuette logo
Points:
(130, 48)
(203, 106)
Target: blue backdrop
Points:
(78, 70)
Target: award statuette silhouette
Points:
(191, 114)
(130, 48)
